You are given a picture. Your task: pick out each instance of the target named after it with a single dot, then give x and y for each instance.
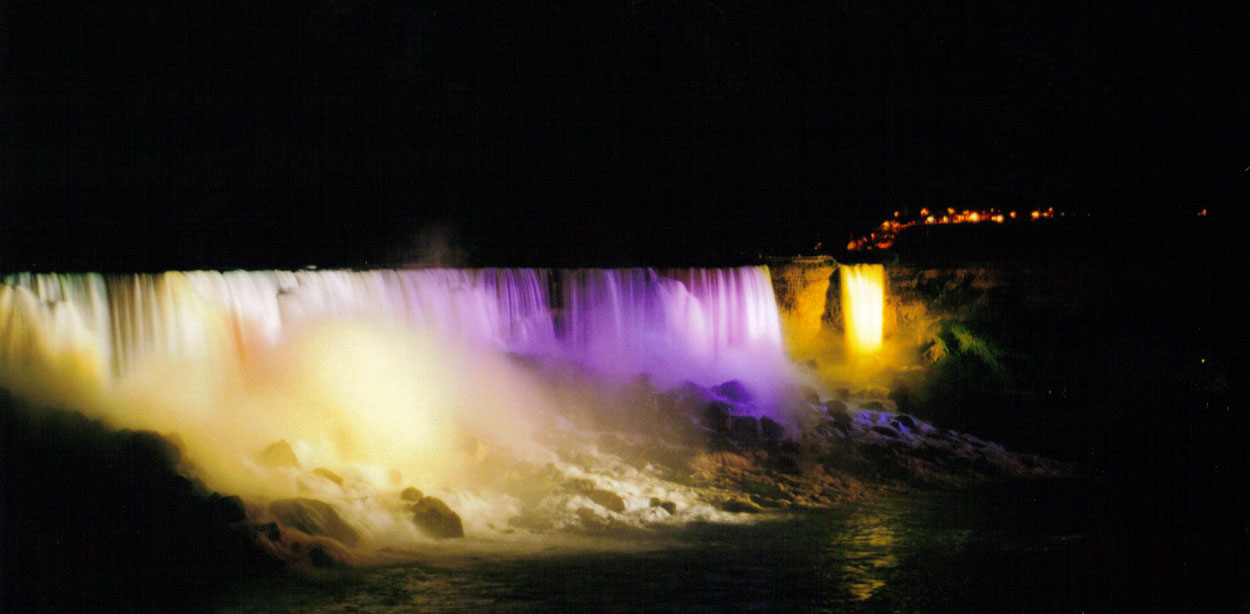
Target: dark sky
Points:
(180, 133)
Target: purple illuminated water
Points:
(704, 325)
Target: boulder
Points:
(314, 518)
(608, 499)
(771, 429)
(436, 520)
(411, 493)
(734, 390)
(278, 454)
(667, 506)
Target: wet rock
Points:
(314, 518)
(740, 505)
(411, 493)
(734, 390)
(885, 430)
(771, 429)
(436, 520)
(278, 454)
(744, 430)
(667, 506)
(329, 475)
(717, 416)
(906, 421)
(608, 499)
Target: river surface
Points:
(1064, 546)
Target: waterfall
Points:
(706, 325)
(863, 305)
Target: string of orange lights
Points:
(883, 236)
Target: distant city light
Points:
(883, 236)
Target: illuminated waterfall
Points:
(706, 325)
(863, 305)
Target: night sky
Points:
(181, 134)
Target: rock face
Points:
(314, 518)
(436, 520)
(278, 454)
(329, 475)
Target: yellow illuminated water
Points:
(863, 305)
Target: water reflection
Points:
(868, 549)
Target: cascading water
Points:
(706, 325)
(698, 324)
(863, 305)
(388, 377)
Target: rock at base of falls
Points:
(436, 520)
(278, 454)
(314, 518)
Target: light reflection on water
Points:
(1033, 547)
(867, 550)
(824, 561)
